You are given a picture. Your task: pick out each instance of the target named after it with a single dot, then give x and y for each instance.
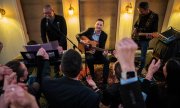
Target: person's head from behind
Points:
(171, 71)
(143, 8)
(71, 64)
(32, 42)
(48, 11)
(20, 69)
(99, 25)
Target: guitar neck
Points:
(98, 49)
(144, 34)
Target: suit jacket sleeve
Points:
(63, 26)
(85, 33)
(102, 41)
(155, 23)
(43, 69)
(131, 95)
(43, 30)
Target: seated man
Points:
(68, 91)
(97, 38)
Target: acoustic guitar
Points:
(89, 46)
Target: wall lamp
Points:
(128, 8)
(2, 12)
(71, 10)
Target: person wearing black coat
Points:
(67, 91)
(54, 26)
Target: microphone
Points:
(47, 22)
(58, 24)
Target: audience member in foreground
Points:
(130, 91)
(14, 95)
(126, 88)
(111, 95)
(167, 94)
(68, 91)
(22, 77)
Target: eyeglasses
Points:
(47, 13)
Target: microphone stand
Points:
(74, 45)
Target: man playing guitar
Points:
(95, 37)
(144, 28)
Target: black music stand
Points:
(54, 56)
(30, 57)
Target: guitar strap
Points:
(150, 20)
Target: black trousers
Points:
(91, 59)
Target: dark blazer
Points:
(66, 92)
(89, 33)
(56, 30)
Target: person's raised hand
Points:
(60, 49)
(9, 79)
(125, 53)
(15, 96)
(4, 70)
(91, 82)
(153, 67)
(42, 52)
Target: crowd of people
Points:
(129, 89)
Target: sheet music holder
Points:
(54, 44)
(32, 47)
(29, 58)
(51, 49)
(47, 46)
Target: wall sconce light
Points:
(71, 10)
(128, 8)
(2, 12)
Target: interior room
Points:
(21, 21)
(27, 24)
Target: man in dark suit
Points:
(68, 91)
(54, 26)
(98, 36)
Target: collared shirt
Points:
(96, 36)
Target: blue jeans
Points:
(143, 44)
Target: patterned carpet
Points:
(98, 68)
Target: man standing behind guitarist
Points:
(97, 38)
(147, 23)
(54, 26)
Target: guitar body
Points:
(87, 45)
